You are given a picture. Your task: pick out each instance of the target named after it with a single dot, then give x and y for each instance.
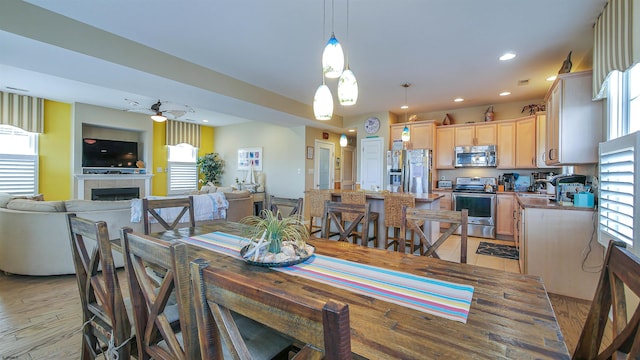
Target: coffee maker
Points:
(509, 181)
(541, 182)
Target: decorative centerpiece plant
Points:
(275, 238)
(211, 167)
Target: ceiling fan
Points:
(159, 113)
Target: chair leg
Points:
(375, 234)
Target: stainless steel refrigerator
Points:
(409, 171)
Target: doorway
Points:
(348, 168)
(371, 168)
(324, 164)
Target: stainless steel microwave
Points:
(475, 156)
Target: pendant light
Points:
(332, 56)
(347, 84)
(323, 103)
(323, 100)
(406, 136)
(343, 140)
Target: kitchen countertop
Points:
(543, 202)
(379, 195)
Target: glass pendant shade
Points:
(323, 103)
(343, 140)
(332, 58)
(347, 88)
(405, 134)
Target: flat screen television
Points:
(109, 153)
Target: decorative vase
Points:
(489, 114)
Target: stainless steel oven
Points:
(478, 196)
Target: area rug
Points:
(503, 251)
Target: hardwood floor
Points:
(40, 316)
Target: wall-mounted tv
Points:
(109, 153)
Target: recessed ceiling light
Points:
(551, 78)
(404, 107)
(507, 56)
(351, 130)
(505, 93)
(458, 99)
(205, 120)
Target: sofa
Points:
(34, 238)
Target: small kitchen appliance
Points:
(445, 184)
(568, 185)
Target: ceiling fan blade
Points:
(176, 113)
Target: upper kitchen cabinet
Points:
(506, 146)
(541, 138)
(574, 122)
(470, 135)
(445, 136)
(526, 140)
(421, 134)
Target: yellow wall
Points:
(55, 149)
(159, 179)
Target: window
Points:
(182, 169)
(619, 198)
(18, 161)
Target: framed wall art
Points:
(250, 157)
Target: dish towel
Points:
(441, 298)
(205, 207)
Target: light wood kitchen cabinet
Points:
(444, 147)
(421, 134)
(541, 138)
(506, 146)
(445, 204)
(470, 135)
(553, 245)
(526, 143)
(504, 214)
(574, 121)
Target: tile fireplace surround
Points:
(86, 182)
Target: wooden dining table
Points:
(510, 316)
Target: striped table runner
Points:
(436, 297)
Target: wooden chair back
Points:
(323, 327)
(315, 199)
(103, 308)
(619, 281)
(413, 218)
(294, 206)
(151, 296)
(393, 203)
(151, 207)
(333, 212)
(352, 197)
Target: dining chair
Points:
(393, 203)
(280, 204)
(162, 304)
(360, 197)
(619, 281)
(323, 328)
(316, 199)
(106, 324)
(153, 208)
(333, 213)
(417, 220)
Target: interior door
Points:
(324, 165)
(348, 168)
(371, 170)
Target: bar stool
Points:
(360, 197)
(316, 199)
(393, 203)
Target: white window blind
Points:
(618, 203)
(18, 174)
(182, 170)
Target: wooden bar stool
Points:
(393, 203)
(360, 197)
(316, 199)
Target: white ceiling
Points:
(245, 60)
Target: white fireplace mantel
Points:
(86, 182)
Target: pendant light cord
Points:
(347, 42)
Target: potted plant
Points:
(276, 240)
(211, 167)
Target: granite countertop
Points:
(543, 202)
(379, 195)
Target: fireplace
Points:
(126, 193)
(86, 183)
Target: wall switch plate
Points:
(159, 170)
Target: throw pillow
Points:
(4, 199)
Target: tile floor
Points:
(450, 250)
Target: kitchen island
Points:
(559, 244)
(376, 199)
